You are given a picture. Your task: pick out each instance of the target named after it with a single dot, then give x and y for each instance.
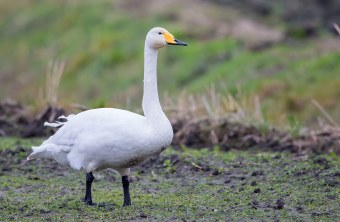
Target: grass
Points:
(183, 184)
(103, 53)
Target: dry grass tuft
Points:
(47, 103)
(337, 28)
(206, 119)
(215, 106)
(53, 76)
(330, 126)
(213, 119)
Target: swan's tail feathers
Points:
(43, 151)
(63, 119)
(36, 151)
(50, 151)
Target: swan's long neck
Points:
(151, 106)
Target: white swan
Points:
(113, 138)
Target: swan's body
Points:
(112, 138)
(106, 138)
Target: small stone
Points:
(227, 181)
(299, 209)
(316, 214)
(257, 173)
(215, 173)
(257, 190)
(221, 191)
(279, 204)
(330, 197)
(336, 174)
(254, 204)
(253, 183)
(143, 215)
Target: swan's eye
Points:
(159, 33)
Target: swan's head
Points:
(159, 37)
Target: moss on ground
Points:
(184, 184)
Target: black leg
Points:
(126, 182)
(88, 195)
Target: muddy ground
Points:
(179, 185)
(17, 120)
(215, 170)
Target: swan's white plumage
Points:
(113, 138)
(105, 138)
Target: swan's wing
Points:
(95, 121)
(96, 128)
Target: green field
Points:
(102, 46)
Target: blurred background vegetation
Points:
(280, 54)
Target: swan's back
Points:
(101, 138)
(96, 121)
(107, 120)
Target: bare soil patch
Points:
(200, 133)
(18, 120)
(229, 135)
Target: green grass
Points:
(179, 185)
(103, 51)
(13, 142)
